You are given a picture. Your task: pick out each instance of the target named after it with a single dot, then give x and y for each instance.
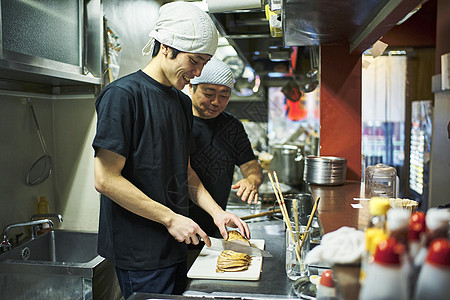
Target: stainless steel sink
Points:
(58, 265)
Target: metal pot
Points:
(288, 162)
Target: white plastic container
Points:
(434, 278)
(384, 278)
(326, 289)
(437, 222)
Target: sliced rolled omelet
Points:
(237, 237)
(231, 261)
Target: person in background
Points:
(141, 164)
(220, 143)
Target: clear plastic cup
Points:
(295, 256)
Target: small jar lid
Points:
(379, 206)
(437, 218)
(381, 170)
(439, 252)
(417, 225)
(388, 252)
(398, 218)
(326, 279)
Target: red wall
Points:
(340, 107)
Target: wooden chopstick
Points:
(283, 204)
(283, 211)
(316, 203)
(285, 216)
(296, 240)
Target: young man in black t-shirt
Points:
(142, 168)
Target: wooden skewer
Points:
(285, 217)
(282, 205)
(296, 240)
(295, 206)
(283, 212)
(310, 220)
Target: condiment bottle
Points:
(416, 238)
(326, 289)
(42, 208)
(376, 230)
(42, 205)
(398, 223)
(416, 232)
(384, 276)
(437, 223)
(434, 278)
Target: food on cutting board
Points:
(231, 261)
(237, 237)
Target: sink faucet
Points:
(6, 245)
(40, 216)
(34, 217)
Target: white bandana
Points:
(185, 27)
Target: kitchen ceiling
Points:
(309, 22)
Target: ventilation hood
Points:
(359, 24)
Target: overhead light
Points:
(277, 54)
(409, 14)
(217, 6)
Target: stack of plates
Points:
(326, 170)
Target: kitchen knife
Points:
(221, 244)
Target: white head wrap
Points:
(215, 72)
(185, 27)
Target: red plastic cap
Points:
(388, 252)
(439, 252)
(416, 225)
(326, 279)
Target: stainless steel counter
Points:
(273, 283)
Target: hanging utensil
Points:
(42, 168)
(313, 60)
(311, 84)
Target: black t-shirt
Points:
(150, 125)
(220, 144)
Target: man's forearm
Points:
(252, 171)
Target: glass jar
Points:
(380, 181)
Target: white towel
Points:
(342, 246)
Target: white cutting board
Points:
(205, 265)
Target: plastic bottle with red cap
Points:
(434, 278)
(416, 232)
(437, 224)
(326, 289)
(416, 239)
(385, 279)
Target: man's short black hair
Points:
(158, 46)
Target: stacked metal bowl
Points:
(325, 170)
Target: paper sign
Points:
(357, 205)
